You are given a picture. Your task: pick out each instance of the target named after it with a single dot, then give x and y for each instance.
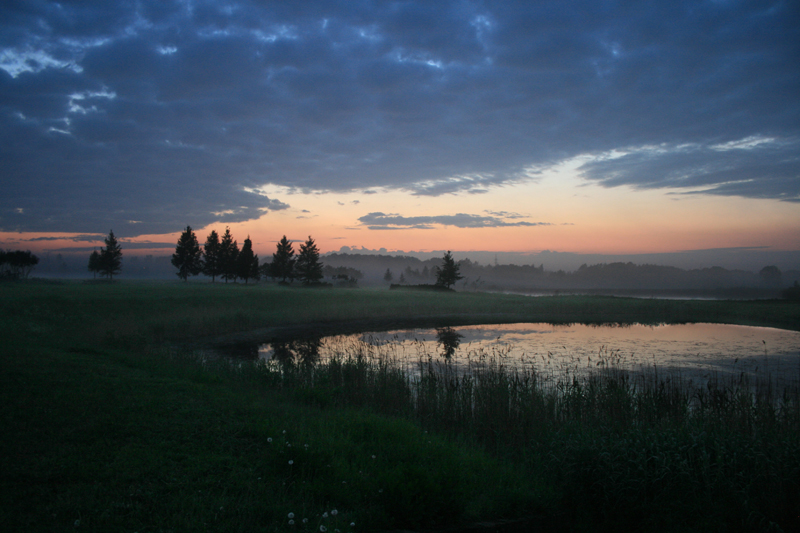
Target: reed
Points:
(642, 449)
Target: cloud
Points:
(753, 167)
(72, 238)
(381, 221)
(166, 113)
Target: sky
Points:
(605, 128)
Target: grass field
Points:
(111, 424)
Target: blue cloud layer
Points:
(145, 116)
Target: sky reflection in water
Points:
(690, 350)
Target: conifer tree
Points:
(110, 257)
(188, 258)
(94, 263)
(388, 277)
(283, 260)
(308, 267)
(247, 262)
(447, 275)
(211, 251)
(228, 252)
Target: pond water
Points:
(692, 351)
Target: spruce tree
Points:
(247, 262)
(283, 260)
(308, 267)
(110, 257)
(211, 265)
(447, 275)
(94, 263)
(228, 252)
(188, 258)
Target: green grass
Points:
(108, 419)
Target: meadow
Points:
(112, 422)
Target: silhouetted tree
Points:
(771, 275)
(211, 250)
(228, 253)
(247, 262)
(402, 278)
(388, 276)
(308, 267)
(188, 258)
(264, 270)
(94, 263)
(283, 261)
(447, 275)
(792, 293)
(17, 264)
(110, 257)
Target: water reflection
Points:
(697, 351)
(302, 351)
(449, 339)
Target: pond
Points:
(692, 351)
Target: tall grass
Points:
(644, 450)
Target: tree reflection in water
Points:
(449, 339)
(304, 351)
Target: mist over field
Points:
(370, 268)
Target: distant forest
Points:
(372, 270)
(405, 269)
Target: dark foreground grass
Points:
(110, 425)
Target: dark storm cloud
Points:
(145, 116)
(382, 221)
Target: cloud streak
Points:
(381, 221)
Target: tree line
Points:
(221, 257)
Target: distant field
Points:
(151, 311)
(111, 424)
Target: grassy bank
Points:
(110, 424)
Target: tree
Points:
(447, 275)
(188, 258)
(17, 264)
(283, 261)
(388, 276)
(771, 275)
(228, 252)
(309, 269)
(110, 257)
(94, 263)
(211, 251)
(247, 262)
